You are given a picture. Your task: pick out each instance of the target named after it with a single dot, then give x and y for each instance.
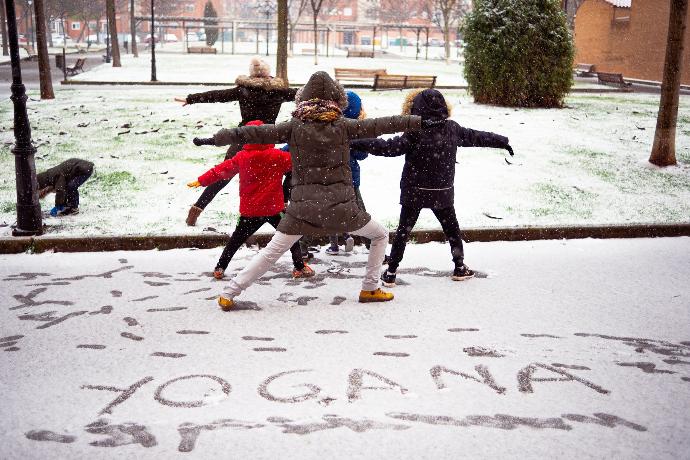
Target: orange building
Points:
(627, 37)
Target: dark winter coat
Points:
(59, 176)
(429, 172)
(259, 98)
(323, 199)
(261, 168)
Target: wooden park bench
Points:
(201, 50)
(383, 82)
(360, 53)
(365, 75)
(308, 51)
(77, 67)
(614, 79)
(585, 70)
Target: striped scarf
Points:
(318, 110)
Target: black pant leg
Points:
(408, 217)
(450, 226)
(210, 193)
(295, 250)
(246, 227)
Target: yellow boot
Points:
(225, 304)
(375, 296)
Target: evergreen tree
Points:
(518, 53)
(210, 25)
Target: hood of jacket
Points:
(322, 86)
(427, 103)
(265, 83)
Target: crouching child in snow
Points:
(429, 173)
(261, 168)
(65, 180)
(323, 199)
(354, 111)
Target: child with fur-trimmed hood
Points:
(429, 172)
(323, 199)
(260, 97)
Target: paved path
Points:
(575, 349)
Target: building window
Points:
(347, 11)
(76, 26)
(621, 15)
(189, 7)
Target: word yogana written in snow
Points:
(359, 381)
(356, 385)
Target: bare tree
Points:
(294, 11)
(112, 31)
(282, 50)
(44, 76)
(3, 29)
(133, 28)
(664, 147)
(315, 10)
(447, 14)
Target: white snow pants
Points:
(281, 242)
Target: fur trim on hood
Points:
(407, 105)
(266, 83)
(322, 86)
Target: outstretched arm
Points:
(222, 95)
(393, 147)
(374, 127)
(226, 170)
(263, 134)
(466, 137)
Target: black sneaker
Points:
(386, 259)
(462, 272)
(68, 211)
(388, 278)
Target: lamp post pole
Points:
(107, 40)
(153, 43)
(29, 220)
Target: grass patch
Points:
(630, 177)
(7, 206)
(556, 200)
(113, 180)
(587, 153)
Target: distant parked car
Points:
(147, 39)
(22, 40)
(172, 38)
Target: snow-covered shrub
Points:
(518, 53)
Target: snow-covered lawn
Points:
(225, 68)
(560, 349)
(585, 164)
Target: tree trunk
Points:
(133, 27)
(282, 51)
(446, 36)
(664, 147)
(3, 29)
(316, 42)
(45, 78)
(112, 30)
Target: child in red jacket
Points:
(261, 168)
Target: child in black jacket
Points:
(429, 173)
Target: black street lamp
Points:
(29, 220)
(107, 41)
(153, 44)
(31, 21)
(266, 7)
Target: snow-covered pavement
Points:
(576, 349)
